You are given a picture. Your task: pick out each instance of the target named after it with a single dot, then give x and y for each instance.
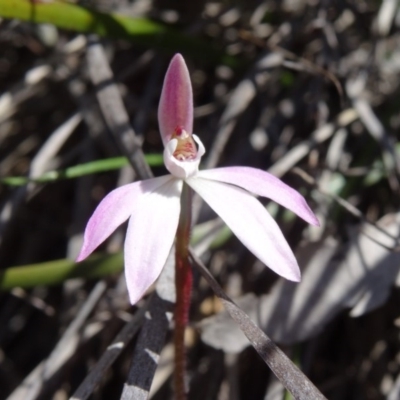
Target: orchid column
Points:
(159, 209)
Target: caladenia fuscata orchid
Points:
(159, 209)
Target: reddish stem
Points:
(183, 283)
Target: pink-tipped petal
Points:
(251, 223)
(176, 103)
(263, 184)
(114, 210)
(151, 233)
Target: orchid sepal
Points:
(176, 101)
(251, 223)
(263, 184)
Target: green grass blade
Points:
(56, 272)
(93, 167)
(140, 30)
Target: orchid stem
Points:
(183, 282)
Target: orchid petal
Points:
(176, 103)
(182, 168)
(251, 223)
(263, 184)
(114, 210)
(150, 235)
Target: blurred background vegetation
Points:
(306, 89)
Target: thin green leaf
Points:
(140, 30)
(57, 271)
(93, 167)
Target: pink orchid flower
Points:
(153, 206)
